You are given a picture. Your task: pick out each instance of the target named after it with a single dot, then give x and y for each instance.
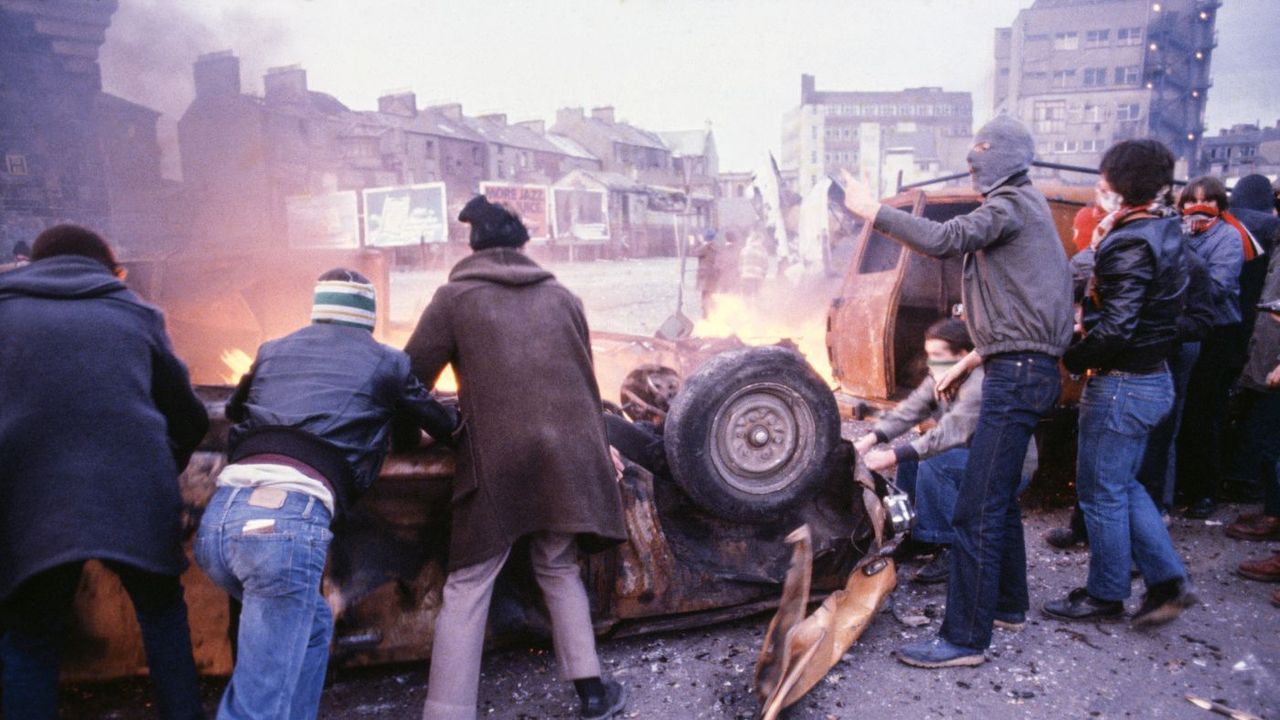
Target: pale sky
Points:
(664, 64)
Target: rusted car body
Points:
(681, 567)
(890, 296)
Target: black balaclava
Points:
(492, 225)
(1253, 192)
(1010, 152)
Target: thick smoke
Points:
(152, 44)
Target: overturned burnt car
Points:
(752, 450)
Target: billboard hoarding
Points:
(405, 215)
(581, 214)
(531, 202)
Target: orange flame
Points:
(756, 321)
(238, 363)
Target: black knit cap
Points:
(492, 225)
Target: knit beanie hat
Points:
(492, 225)
(1009, 151)
(1253, 192)
(344, 297)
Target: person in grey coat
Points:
(1017, 295)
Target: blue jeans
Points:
(988, 556)
(36, 614)
(275, 572)
(932, 484)
(1159, 469)
(1262, 434)
(1117, 413)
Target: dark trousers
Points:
(1159, 464)
(1200, 440)
(1263, 437)
(36, 615)
(988, 557)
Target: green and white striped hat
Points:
(344, 297)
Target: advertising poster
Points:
(530, 201)
(581, 214)
(405, 215)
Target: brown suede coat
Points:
(532, 455)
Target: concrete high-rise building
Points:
(921, 131)
(1083, 74)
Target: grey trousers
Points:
(454, 680)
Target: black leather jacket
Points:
(326, 396)
(1135, 299)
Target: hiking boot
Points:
(1063, 538)
(1080, 605)
(936, 570)
(606, 704)
(1164, 602)
(1259, 527)
(937, 652)
(1275, 598)
(1011, 621)
(1264, 570)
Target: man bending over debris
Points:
(313, 418)
(532, 459)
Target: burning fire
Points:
(756, 321)
(238, 363)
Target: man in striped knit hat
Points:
(313, 418)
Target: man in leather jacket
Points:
(1132, 309)
(313, 419)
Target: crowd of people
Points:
(1168, 306)
(93, 439)
(1168, 309)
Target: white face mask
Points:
(938, 368)
(1108, 200)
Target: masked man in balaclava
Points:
(1017, 300)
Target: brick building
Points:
(922, 131)
(1084, 74)
(71, 153)
(1242, 150)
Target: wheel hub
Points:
(758, 437)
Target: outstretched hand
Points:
(859, 197)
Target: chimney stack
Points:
(500, 118)
(452, 111)
(604, 114)
(569, 116)
(285, 84)
(217, 74)
(538, 126)
(403, 104)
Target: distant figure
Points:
(97, 418)
(708, 278)
(753, 265)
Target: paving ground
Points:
(1227, 648)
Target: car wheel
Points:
(752, 434)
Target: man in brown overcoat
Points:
(532, 458)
